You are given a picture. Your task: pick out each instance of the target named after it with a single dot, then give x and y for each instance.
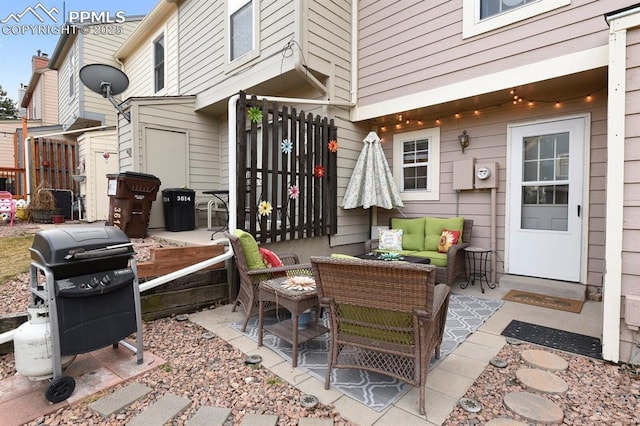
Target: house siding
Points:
(139, 65)
(67, 105)
(631, 210)
(409, 47)
(489, 133)
(49, 105)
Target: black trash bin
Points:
(179, 209)
(130, 198)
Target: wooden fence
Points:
(53, 162)
(285, 159)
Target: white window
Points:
(480, 16)
(158, 64)
(72, 72)
(416, 164)
(242, 31)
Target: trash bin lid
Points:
(136, 175)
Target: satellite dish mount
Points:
(106, 81)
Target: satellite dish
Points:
(107, 81)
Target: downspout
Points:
(614, 226)
(494, 261)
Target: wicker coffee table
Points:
(296, 302)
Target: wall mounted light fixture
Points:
(464, 140)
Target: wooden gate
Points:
(53, 162)
(286, 163)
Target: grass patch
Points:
(15, 255)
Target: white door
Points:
(166, 158)
(546, 199)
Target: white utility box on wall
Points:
(632, 312)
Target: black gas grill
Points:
(91, 290)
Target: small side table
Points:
(477, 258)
(296, 302)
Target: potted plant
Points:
(42, 206)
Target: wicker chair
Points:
(250, 278)
(387, 317)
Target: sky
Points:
(23, 34)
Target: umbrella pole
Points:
(373, 218)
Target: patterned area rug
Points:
(466, 314)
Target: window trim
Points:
(232, 7)
(72, 80)
(433, 134)
(472, 26)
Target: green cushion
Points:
(434, 227)
(374, 316)
(250, 250)
(437, 258)
(342, 256)
(412, 232)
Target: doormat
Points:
(553, 338)
(544, 301)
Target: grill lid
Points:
(59, 246)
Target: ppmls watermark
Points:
(41, 20)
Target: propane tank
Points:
(33, 347)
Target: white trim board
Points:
(552, 68)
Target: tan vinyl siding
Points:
(203, 137)
(49, 105)
(408, 47)
(139, 65)
(7, 130)
(202, 44)
(67, 105)
(203, 47)
(328, 43)
(631, 231)
(489, 144)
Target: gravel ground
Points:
(211, 372)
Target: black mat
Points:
(553, 338)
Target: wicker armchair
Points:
(456, 265)
(250, 278)
(387, 317)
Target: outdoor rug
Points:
(377, 391)
(553, 338)
(544, 301)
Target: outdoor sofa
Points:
(421, 237)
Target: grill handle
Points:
(91, 254)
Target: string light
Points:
(514, 99)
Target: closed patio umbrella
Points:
(371, 182)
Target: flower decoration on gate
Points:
(333, 145)
(265, 208)
(318, 171)
(294, 192)
(255, 114)
(286, 146)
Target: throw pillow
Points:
(434, 227)
(390, 239)
(270, 258)
(447, 239)
(250, 250)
